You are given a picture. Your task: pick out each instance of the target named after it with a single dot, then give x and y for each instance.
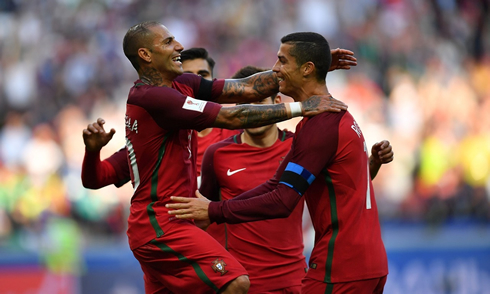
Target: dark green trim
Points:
(224, 224)
(283, 136)
(235, 138)
(200, 273)
(154, 188)
(335, 227)
(139, 84)
(329, 288)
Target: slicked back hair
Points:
(249, 70)
(198, 53)
(138, 36)
(309, 46)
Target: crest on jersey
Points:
(219, 266)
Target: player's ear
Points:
(277, 99)
(307, 68)
(145, 54)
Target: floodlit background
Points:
(423, 83)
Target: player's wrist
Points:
(294, 109)
(92, 149)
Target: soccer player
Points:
(270, 250)
(115, 169)
(163, 109)
(328, 164)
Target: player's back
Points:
(341, 202)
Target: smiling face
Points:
(164, 53)
(287, 70)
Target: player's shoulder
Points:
(187, 78)
(145, 90)
(222, 144)
(328, 117)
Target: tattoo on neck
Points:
(151, 76)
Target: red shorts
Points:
(370, 286)
(186, 260)
(290, 290)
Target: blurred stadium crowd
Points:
(423, 83)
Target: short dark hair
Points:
(309, 46)
(197, 53)
(138, 36)
(249, 70)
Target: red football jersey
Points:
(162, 147)
(112, 170)
(270, 250)
(214, 136)
(341, 200)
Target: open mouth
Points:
(177, 60)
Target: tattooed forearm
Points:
(250, 89)
(151, 76)
(250, 116)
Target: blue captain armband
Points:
(297, 177)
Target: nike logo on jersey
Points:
(229, 172)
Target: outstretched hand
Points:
(190, 208)
(342, 59)
(95, 137)
(320, 103)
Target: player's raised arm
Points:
(249, 116)
(249, 89)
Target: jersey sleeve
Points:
(173, 110)
(113, 170)
(311, 152)
(203, 89)
(119, 161)
(209, 183)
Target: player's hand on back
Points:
(320, 103)
(95, 137)
(342, 59)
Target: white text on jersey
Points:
(132, 127)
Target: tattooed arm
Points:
(250, 116)
(250, 89)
